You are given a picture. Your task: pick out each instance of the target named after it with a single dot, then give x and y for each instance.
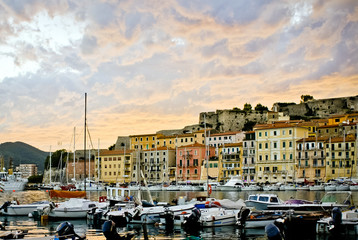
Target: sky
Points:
(153, 65)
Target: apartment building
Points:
(276, 151)
(218, 139)
(116, 166)
(27, 170)
(143, 141)
(230, 157)
(249, 157)
(341, 157)
(311, 159)
(158, 165)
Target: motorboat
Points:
(218, 217)
(261, 201)
(214, 186)
(303, 188)
(234, 184)
(330, 187)
(339, 222)
(12, 182)
(73, 208)
(90, 186)
(13, 208)
(257, 219)
(251, 187)
(342, 187)
(155, 187)
(290, 187)
(316, 188)
(272, 187)
(171, 188)
(330, 200)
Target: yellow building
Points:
(143, 141)
(230, 158)
(115, 166)
(276, 151)
(166, 141)
(341, 157)
(311, 159)
(337, 119)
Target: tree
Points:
(111, 147)
(56, 157)
(35, 179)
(306, 98)
(259, 107)
(247, 107)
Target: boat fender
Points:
(252, 216)
(213, 218)
(210, 189)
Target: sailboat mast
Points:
(98, 161)
(85, 139)
(50, 164)
(74, 154)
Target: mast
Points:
(85, 138)
(98, 161)
(74, 154)
(50, 164)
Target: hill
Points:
(22, 153)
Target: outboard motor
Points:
(273, 232)
(242, 217)
(169, 220)
(5, 205)
(110, 232)
(335, 224)
(66, 230)
(193, 221)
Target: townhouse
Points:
(230, 156)
(249, 157)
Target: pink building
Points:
(190, 159)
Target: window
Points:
(260, 134)
(290, 132)
(274, 145)
(260, 146)
(283, 144)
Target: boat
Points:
(171, 188)
(330, 200)
(73, 208)
(339, 222)
(316, 188)
(12, 182)
(155, 187)
(261, 201)
(330, 187)
(90, 186)
(303, 188)
(218, 217)
(257, 219)
(271, 187)
(251, 187)
(342, 187)
(290, 187)
(214, 186)
(234, 184)
(13, 208)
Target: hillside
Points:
(22, 153)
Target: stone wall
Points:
(321, 108)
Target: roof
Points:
(143, 135)
(349, 138)
(193, 145)
(276, 125)
(114, 152)
(158, 149)
(239, 144)
(313, 139)
(226, 133)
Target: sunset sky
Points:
(154, 65)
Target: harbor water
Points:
(41, 229)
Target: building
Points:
(190, 159)
(311, 159)
(27, 170)
(116, 166)
(230, 157)
(143, 141)
(218, 139)
(276, 151)
(341, 157)
(249, 157)
(158, 165)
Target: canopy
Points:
(67, 194)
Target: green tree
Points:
(111, 147)
(58, 159)
(35, 179)
(247, 107)
(306, 98)
(259, 107)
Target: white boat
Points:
(234, 184)
(218, 217)
(317, 188)
(15, 209)
(272, 187)
(348, 226)
(155, 188)
(353, 187)
(172, 188)
(342, 199)
(73, 208)
(251, 187)
(261, 201)
(197, 188)
(186, 187)
(342, 187)
(290, 187)
(214, 186)
(303, 188)
(330, 187)
(13, 182)
(90, 186)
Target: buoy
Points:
(13, 190)
(30, 215)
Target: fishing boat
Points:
(13, 208)
(262, 201)
(12, 182)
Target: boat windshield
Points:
(263, 199)
(336, 197)
(253, 198)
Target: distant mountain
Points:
(22, 153)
